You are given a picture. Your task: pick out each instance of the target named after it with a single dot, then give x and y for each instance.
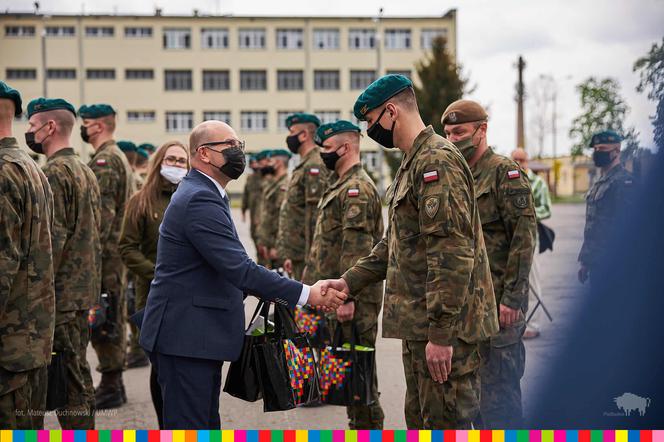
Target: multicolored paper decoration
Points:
(301, 367)
(333, 371)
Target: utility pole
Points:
(520, 93)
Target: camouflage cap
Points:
(95, 111)
(331, 129)
(280, 153)
(301, 117)
(49, 104)
(463, 111)
(10, 93)
(127, 146)
(149, 147)
(605, 137)
(379, 92)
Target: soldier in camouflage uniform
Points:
(273, 197)
(251, 196)
(27, 296)
(349, 225)
(267, 175)
(506, 207)
(116, 185)
(438, 298)
(76, 252)
(309, 180)
(608, 196)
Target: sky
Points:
(569, 40)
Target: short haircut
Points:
(406, 99)
(64, 120)
(7, 108)
(109, 122)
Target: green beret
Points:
(11, 94)
(301, 118)
(280, 153)
(331, 129)
(127, 146)
(605, 137)
(95, 111)
(463, 111)
(49, 104)
(253, 157)
(379, 92)
(142, 152)
(265, 153)
(147, 147)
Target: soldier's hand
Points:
(439, 361)
(336, 284)
(288, 266)
(328, 301)
(346, 312)
(583, 274)
(507, 315)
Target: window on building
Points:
(327, 116)
(216, 80)
(141, 116)
(290, 38)
(179, 80)
(214, 38)
(281, 119)
(177, 38)
(429, 35)
(326, 39)
(326, 80)
(397, 39)
(100, 74)
(253, 80)
(361, 79)
(370, 160)
(290, 80)
(224, 116)
(99, 31)
(139, 74)
(252, 121)
(362, 39)
(138, 32)
(21, 74)
(404, 72)
(60, 31)
(252, 38)
(179, 121)
(19, 31)
(61, 74)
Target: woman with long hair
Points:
(140, 233)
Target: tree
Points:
(602, 108)
(652, 78)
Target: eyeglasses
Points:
(175, 161)
(230, 143)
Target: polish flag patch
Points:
(430, 177)
(513, 174)
(353, 193)
(101, 162)
(314, 171)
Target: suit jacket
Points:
(194, 307)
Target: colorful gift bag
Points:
(314, 324)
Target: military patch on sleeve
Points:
(101, 162)
(431, 206)
(513, 174)
(353, 211)
(353, 193)
(314, 171)
(430, 177)
(520, 201)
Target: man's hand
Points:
(288, 266)
(583, 274)
(508, 316)
(328, 301)
(273, 254)
(439, 361)
(336, 284)
(346, 312)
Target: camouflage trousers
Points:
(363, 417)
(503, 364)
(453, 404)
(23, 399)
(111, 348)
(71, 339)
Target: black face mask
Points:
(84, 134)
(32, 144)
(235, 162)
(267, 170)
(382, 136)
(330, 158)
(293, 142)
(602, 158)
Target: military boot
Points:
(137, 359)
(108, 393)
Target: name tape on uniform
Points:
(430, 177)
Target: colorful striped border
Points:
(333, 436)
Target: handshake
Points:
(328, 295)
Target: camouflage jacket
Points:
(75, 235)
(250, 200)
(309, 180)
(438, 278)
(27, 295)
(116, 184)
(138, 241)
(605, 200)
(349, 225)
(273, 197)
(506, 206)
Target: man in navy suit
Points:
(194, 317)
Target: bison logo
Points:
(630, 402)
